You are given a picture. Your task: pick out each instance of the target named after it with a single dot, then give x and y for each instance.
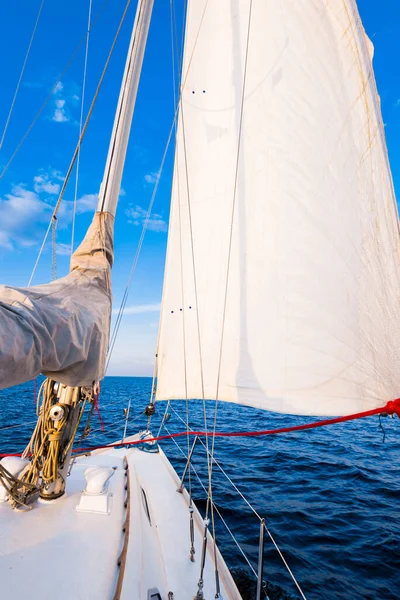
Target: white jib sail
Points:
(283, 206)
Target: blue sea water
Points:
(330, 496)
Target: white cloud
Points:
(5, 239)
(60, 114)
(139, 309)
(151, 177)
(63, 249)
(86, 203)
(157, 224)
(21, 211)
(25, 213)
(137, 216)
(42, 183)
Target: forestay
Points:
(283, 220)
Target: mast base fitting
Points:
(52, 495)
(150, 410)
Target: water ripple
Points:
(330, 496)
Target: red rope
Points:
(391, 408)
(96, 398)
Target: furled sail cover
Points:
(312, 317)
(61, 329)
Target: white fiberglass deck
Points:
(54, 551)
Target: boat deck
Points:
(55, 543)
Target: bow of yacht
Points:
(121, 530)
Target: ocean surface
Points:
(330, 496)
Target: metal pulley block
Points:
(57, 412)
(150, 410)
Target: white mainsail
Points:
(61, 329)
(282, 281)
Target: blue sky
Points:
(29, 187)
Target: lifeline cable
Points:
(391, 408)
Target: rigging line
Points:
(110, 426)
(176, 108)
(132, 60)
(221, 517)
(80, 125)
(118, 423)
(245, 500)
(172, 14)
(193, 260)
(125, 296)
(164, 419)
(231, 234)
(54, 248)
(71, 166)
(176, 59)
(138, 249)
(391, 408)
(184, 16)
(284, 562)
(137, 253)
(173, 51)
(223, 471)
(17, 425)
(21, 75)
(119, 420)
(209, 461)
(209, 466)
(210, 503)
(43, 106)
(155, 370)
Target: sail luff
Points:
(111, 184)
(314, 282)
